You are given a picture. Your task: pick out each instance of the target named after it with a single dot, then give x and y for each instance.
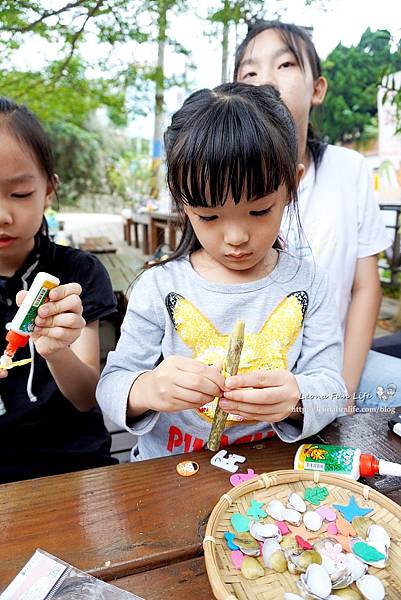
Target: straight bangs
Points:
(235, 147)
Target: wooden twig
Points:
(231, 368)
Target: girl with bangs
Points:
(340, 217)
(232, 169)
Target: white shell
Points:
(379, 538)
(275, 509)
(312, 520)
(316, 582)
(250, 551)
(355, 565)
(379, 564)
(371, 587)
(292, 516)
(262, 531)
(296, 502)
(269, 546)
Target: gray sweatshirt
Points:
(291, 322)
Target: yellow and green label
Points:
(28, 322)
(321, 457)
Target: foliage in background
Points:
(68, 89)
(354, 74)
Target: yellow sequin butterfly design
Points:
(266, 349)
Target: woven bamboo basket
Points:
(228, 583)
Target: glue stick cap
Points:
(16, 340)
(368, 465)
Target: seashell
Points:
(368, 553)
(275, 509)
(355, 565)
(308, 557)
(278, 562)
(298, 560)
(347, 594)
(292, 516)
(250, 551)
(288, 543)
(245, 540)
(296, 502)
(378, 537)
(269, 547)
(315, 582)
(342, 576)
(371, 587)
(262, 531)
(251, 568)
(312, 520)
(361, 525)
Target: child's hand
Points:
(181, 383)
(261, 395)
(59, 322)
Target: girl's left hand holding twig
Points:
(269, 396)
(59, 322)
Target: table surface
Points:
(142, 524)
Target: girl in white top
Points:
(338, 212)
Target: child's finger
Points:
(61, 334)
(196, 367)
(62, 291)
(20, 297)
(68, 320)
(3, 373)
(197, 384)
(257, 396)
(257, 379)
(71, 304)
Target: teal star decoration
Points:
(315, 495)
(229, 539)
(255, 510)
(352, 509)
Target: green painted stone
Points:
(240, 522)
(315, 495)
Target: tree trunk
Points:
(224, 58)
(224, 44)
(159, 102)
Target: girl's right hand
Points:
(178, 383)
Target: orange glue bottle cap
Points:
(369, 466)
(15, 340)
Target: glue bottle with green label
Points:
(342, 460)
(23, 323)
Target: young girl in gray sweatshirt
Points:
(232, 168)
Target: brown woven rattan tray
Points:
(228, 583)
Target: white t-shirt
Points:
(340, 219)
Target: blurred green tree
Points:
(349, 113)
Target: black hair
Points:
(300, 44)
(236, 140)
(25, 126)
